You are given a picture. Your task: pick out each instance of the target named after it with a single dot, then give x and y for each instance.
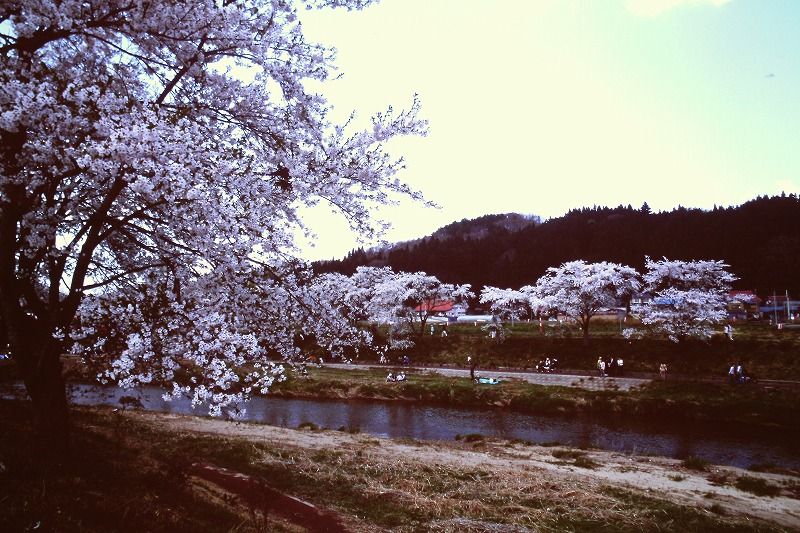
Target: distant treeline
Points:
(759, 239)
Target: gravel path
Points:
(564, 380)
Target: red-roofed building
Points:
(743, 305)
(442, 308)
(434, 307)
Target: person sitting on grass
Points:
(741, 374)
(390, 378)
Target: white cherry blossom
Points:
(169, 146)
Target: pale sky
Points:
(541, 106)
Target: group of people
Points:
(737, 374)
(384, 360)
(392, 377)
(610, 366)
(444, 329)
(547, 364)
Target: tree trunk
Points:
(423, 321)
(585, 328)
(39, 361)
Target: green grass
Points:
(577, 457)
(568, 454)
(773, 469)
(695, 463)
(471, 437)
(757, 486)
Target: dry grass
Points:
(452, 487)
(384, 485)
(403, 493)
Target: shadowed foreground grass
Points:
(129, 473)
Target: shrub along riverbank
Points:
(739, 406)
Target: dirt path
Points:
(660, 478)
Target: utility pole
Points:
(775, 307)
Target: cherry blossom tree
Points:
(170, 145)
(409, 299)
(705, 275)
(580, 289)
(513, 304)
(343, 295)
(688, 298)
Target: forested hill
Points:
(759, 239)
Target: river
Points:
(726, 445)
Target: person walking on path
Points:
(728, 331)
(601, 367)
(663, 371)
(471, 364)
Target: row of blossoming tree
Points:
(686, 298)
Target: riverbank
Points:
(742, 406)
(750, 407)
(132, 471)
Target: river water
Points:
(726, 445)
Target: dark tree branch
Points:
(122, 275)
(181, 73)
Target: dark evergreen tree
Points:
(759, 239)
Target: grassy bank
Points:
(130, 473)
(678, 401)
(763, 350)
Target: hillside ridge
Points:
(759, 239)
